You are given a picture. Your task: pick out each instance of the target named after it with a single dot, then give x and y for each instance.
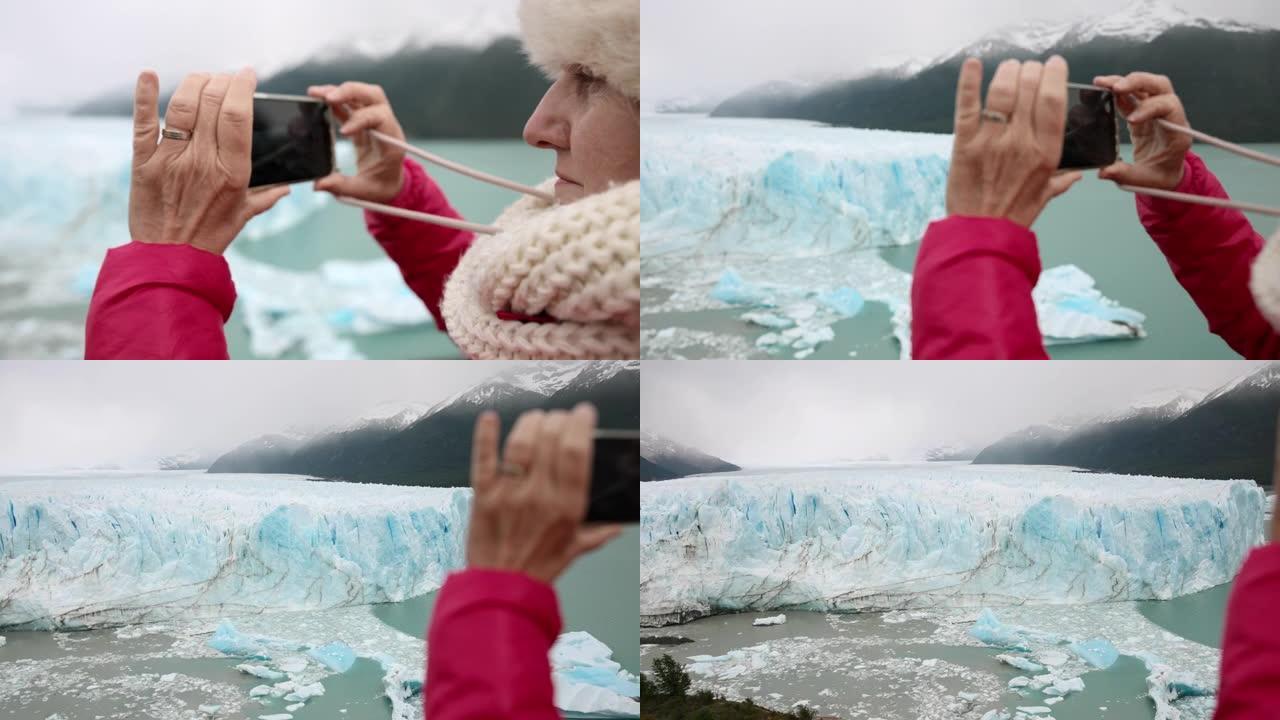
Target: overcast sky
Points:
(69, 50)
(716, 48)
(786, 412)
(60, 415)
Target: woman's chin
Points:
(567, 192)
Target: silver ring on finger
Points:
(175, 134)
(995, 116)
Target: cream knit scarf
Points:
(579, 263)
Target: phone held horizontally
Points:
(293, 140)
(1092, 137)
(615, 477)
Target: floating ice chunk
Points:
(1051, 658)
(733, 290)
(209, 709)
(295, 707)
(276, 716)
(844, 300)
(580, 662)
(229, 641)
(996, 715)
(168, 677)
(1097, 652)
(1052, 700)
(336, 656)
(968, 696)
(305, 692)
(1019, 682)
(1070, 309)
(259, 690)
(991, 631)
(768, 319)
(1065, 686)
(292, 664)
(1020, 662)
(1035, 710)
(2, 641)
(1165, 685)
(261, 671)
(774, 620)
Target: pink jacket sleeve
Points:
(1250, 685)
(159, 302)
(971, 293)
(487, 648)
(426, 254)
(1211, 251)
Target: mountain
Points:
(186, 460)
(950, 453)
(416, 444)
(663, 459)
(442, 91)
(1229, 433)
(1213, 64)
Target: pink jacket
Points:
(169, 302)
(487, 648)
(971, 295)
(1250, 685)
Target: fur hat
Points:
(603, 36)
(1264, 281)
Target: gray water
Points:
(97, 675)
(1094, 226)
(877, 671)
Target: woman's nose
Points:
(548, 126)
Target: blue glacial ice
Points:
(775, 217)
(193, 545)
(884, 537)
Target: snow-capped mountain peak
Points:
(1139, 21)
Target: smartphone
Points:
(1092, 138)
(293, 140)
(615, 477)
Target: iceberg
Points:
(888, 537)
(192, 545)
(587, 678)
(765, 621)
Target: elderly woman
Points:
(971, 295)
(560, 280)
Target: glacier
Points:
(885, 537)
(781, 220)
(136, 548)
(59, 214)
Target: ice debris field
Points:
(777, 220)
(282, 587)
(885, 537)
(1013, 663)
(58, 216)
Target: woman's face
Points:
(595, 131)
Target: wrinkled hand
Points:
(1007, 170)
(380, 168)
(531, 522)
(1158, 153)
(195, 191)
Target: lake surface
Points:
(63, 207)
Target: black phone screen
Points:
(292, 141)
(1092, 139)
(615, 478)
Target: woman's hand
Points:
(195, 191)
(1158, 153)
(528, 508)
(380, 168)
(1005, 157)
